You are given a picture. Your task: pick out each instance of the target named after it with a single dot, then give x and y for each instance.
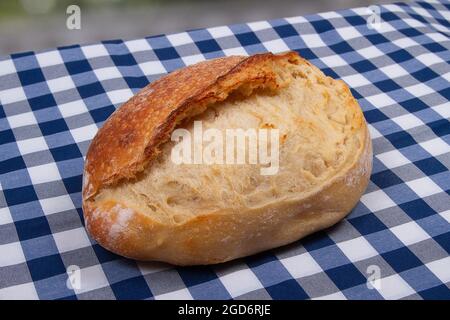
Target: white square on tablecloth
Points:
(25, 291)
(107, 73)
(220, 32)
(394, 287)
(435, 146)
(424, 187)
(179, 39)
(377, 200)
(84, 133)
(56, 204)
(44, 173)
(92, 278)
(152, 67)
(348, 33)
(374, 133)
(5, 215)
(240, 282)
(95, 50)
(71, 239)
(441, 269)
(12, 95)
(357, 249)
(60, 84)
(313, 40)
(7, 67)
(11, 254)
(392, 159)
(181, 294)
(370, 52)
(419, 90)
(408, 121)
(410, 233)
(334, 296)
(50, 58)
(296, 20)
(72, 108)
(190, 60)
(259, 25)
(356, 80)
(239, 51)
(443, 110)
(394, 71)
(22, 120)
(381, 100)
(119, 96)
(301, 265)
(445, 215)
(138, 45)
(404, 43)
(32, 145)
(276, 46)
(334, 61)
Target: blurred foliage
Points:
(21, 8)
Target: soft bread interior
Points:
(319, 127)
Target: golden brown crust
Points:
(130, 139)
(126, 144)
(223, 236)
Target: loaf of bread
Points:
(140, 204)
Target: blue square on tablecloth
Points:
(346, 276)
(401, 259)
(441, 292)
(196, 275)
(417, 209)
(54, 126)
(131, 289)
(79, 66)
(385, 179)
(70, 151)
(287, 290)
(20, 195)
(101, 114)
(367, 224)
(123, 60)
(12, 164)
(441, 127)
(247, 38)
(28, 77)
(444, 241)
(430, 166)
(46, 267)
(206, 46)
(73, 184)
(316, 241)
(167, 53)
(286, 31)
(413, 105)
(42, 102)
(90, 90)
(322, 26)
(32, 228)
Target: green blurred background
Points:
(39, 24)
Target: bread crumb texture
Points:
(138, 203)
(316, 117)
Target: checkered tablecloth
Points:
(53, 102)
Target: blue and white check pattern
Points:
(53, 102)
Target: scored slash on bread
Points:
(137, 204)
